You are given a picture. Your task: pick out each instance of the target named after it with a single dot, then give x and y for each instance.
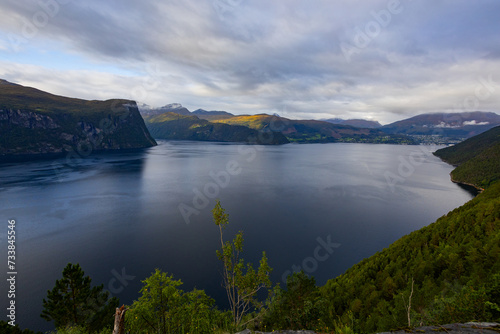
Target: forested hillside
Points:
(171, 125)
(449, 268)
(311, 131)
(446, 272)
(478, 159)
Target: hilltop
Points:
(433, 128)
(358, 123)
(312, 131)
(34, 123)
(451, 125)
(170, 125)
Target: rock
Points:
(35, 123)
(467, 328)
(247, 331)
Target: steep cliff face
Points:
(34, 123)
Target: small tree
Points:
(300, 306)
(240, 279)
(165, 308)
(158, 305)
(73, 302)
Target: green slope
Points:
(478, 159)
(33, 122)
(174, 126)
(310, 131)
(461, 249)
(454, 263)
(469, 148)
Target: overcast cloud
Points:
(374, 59)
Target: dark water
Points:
(322, 207)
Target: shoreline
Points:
(468, 185)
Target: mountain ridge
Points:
(35, 123)
(174, 126)
(477, 159)
(298, 131)
(358, 123)
(423, 128)
(454, 125)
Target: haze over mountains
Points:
(458, 125)
(299, 131)
(452, 126)
(358, 123)
(34, 122)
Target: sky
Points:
(382, 60)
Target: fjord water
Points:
(321, 207)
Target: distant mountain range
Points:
(171, 125)
(34, 123)
(173, 107)
(453, 125)
(449, 127)
(357, 123)
(299, 131)
(201, 112)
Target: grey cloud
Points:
(266, 54)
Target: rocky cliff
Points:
(35, 123)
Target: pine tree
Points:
(74, 302)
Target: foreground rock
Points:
(467, 328)
(470, 327)
(247, 331)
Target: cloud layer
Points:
(383, 60)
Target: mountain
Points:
(294, 131)
(35, 123)
(443, 273)
(201, 112)
(453, 125)
(478, 159)
(212, 115)
(179, 109)
(357, 123)
(310, 131)
(173, 107)
(171, 125)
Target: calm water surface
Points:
(120, 215)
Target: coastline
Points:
(468, 186)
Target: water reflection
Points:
(115, 211)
